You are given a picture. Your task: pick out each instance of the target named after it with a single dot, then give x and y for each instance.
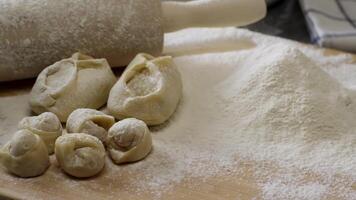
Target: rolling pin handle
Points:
(211, 13)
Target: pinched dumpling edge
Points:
(156, 107)
(136, 153)
(66, 148)
(79, 117)
(48, 137)
(33, 162)
(45, 98)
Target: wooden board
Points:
(56, 185)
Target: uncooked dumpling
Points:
(76, 82)
(90, 121)
(129, 140)
(45, 125)
(25, 155)
(80, 155)
(149, 89)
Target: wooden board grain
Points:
(56, 185)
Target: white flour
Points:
(146, 77)
(285, 111)
(269, 103)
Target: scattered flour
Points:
(143, 83)
(281, 110)
(278, 102)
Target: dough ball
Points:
(25, 155)
(91, 122)
(76, 82)
(129, 140)
(45, 125)
(80, 155)
(149, 89)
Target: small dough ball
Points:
(129, 140)
(149, 89)
(45, 125)
(77, 82)
(80, 155)
(25, 155)
(91, 122)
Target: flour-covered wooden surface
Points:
(225, 140)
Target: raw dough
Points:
(80, 155)
(149, 89)
(129, 140)
(45, 125)
(25, 155)
(90, 121)
(76, 82)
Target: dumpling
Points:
(45, 125)
(149, 89)
(90, 121)
(76, 82)
(80, 155)
(25, 155)
(129, 140)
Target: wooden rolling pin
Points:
(37, 33)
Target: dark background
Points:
(284, 19)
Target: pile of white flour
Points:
(251, 98)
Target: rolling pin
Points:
(37, 33)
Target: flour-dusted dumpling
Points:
(92, 122)
(149, 89)
(76, 82)
(80, 155)
(25, 155)
(129, 140)
(45, 125)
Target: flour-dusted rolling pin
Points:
(37, 33)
